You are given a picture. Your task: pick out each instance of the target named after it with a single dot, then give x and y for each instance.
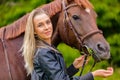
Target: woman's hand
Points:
(103, 73)
(78, 62)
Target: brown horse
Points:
(76, 26)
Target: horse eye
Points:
(75, 17)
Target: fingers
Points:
(78, 62)
(103, 73)
(81, 58)
(110, 68)
(108, 72)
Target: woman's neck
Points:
(48, 41)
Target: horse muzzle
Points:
(102, 51)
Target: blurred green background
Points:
(108, 21)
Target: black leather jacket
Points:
(50, 65)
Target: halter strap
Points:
(69, 6)
(6, 55)
(90, 34)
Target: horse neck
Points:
(55, 38)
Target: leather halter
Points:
(6, 55)
(83, 47)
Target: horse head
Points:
(77, 27)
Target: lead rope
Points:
(85, 59)
(6, 56)
(87, 53)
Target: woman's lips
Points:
(48, 32)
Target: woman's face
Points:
(43, 26)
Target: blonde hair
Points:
(29, 42)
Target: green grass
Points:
(70, 54)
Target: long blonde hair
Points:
(29, 42)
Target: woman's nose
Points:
(46, 26)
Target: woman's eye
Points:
(75, 17)
(48, 21)
(39, 25)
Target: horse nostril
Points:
(101, 47)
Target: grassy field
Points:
(70, 54)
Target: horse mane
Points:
(84, 3)
(18, 27)
(15, 29)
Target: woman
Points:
(42, 60)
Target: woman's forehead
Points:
(41, 17)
